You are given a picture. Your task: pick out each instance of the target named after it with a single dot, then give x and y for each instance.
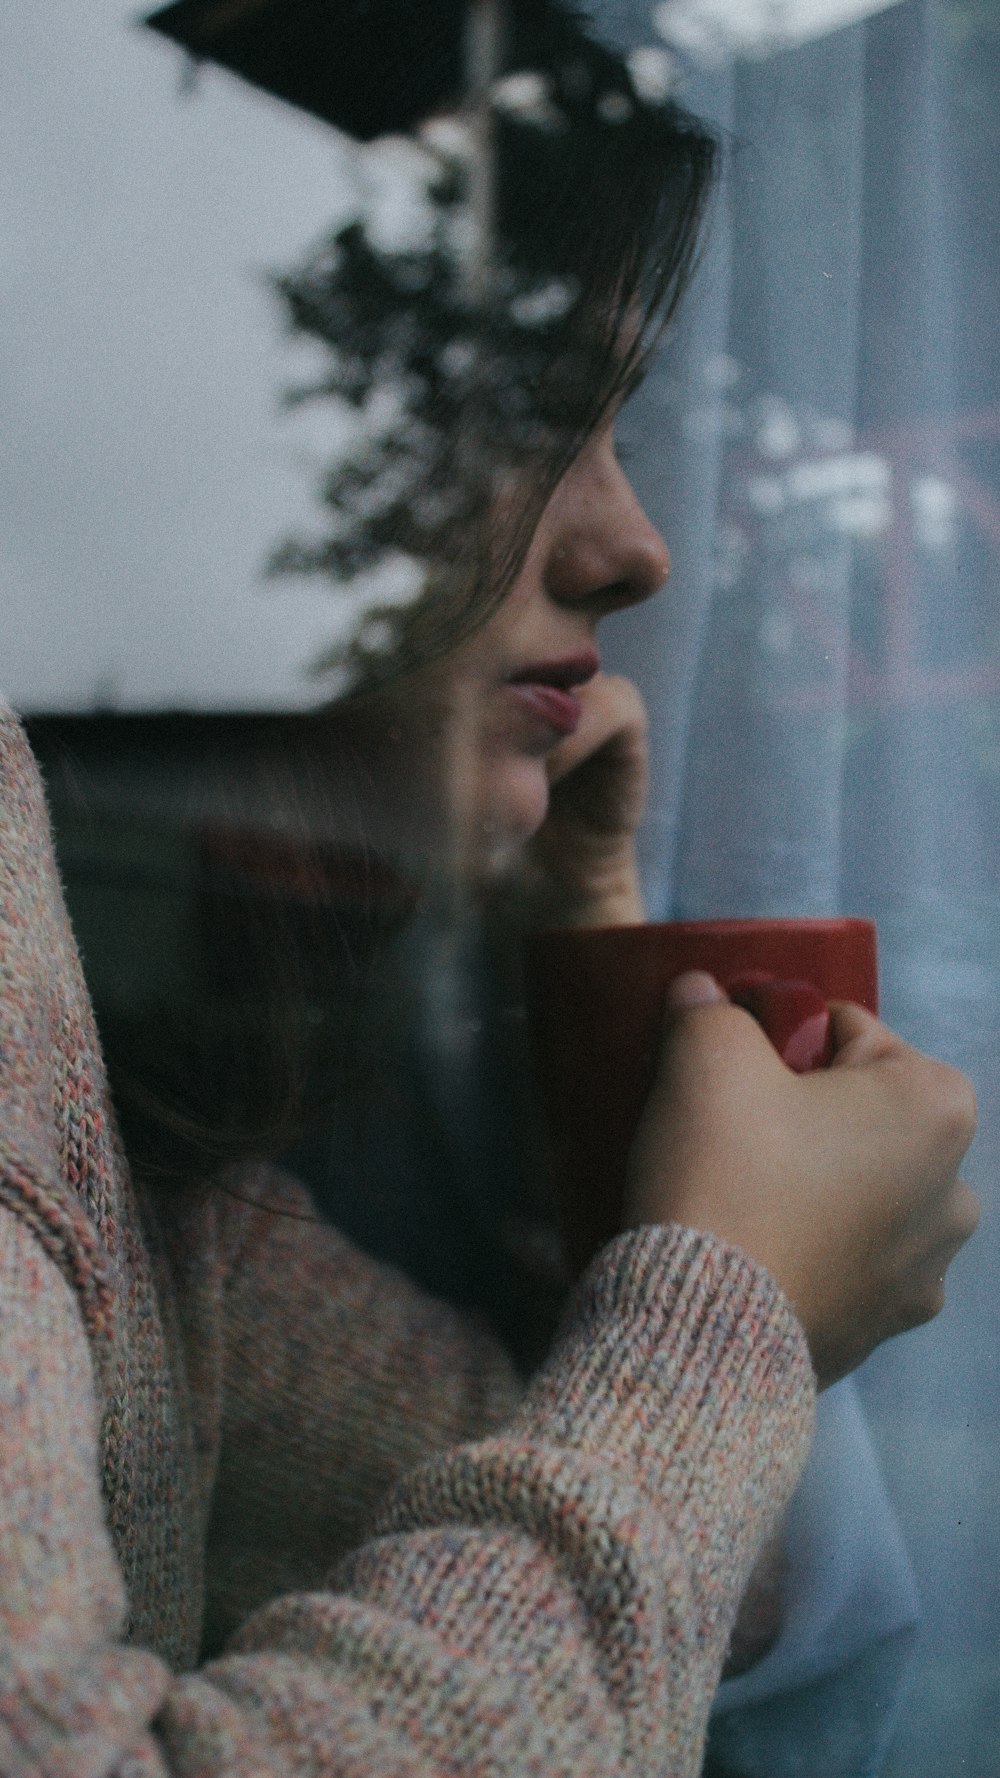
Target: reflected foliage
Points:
(475, 323)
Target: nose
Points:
(604, 550)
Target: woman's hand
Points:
(843, 1183)
(581, 866)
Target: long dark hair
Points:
(605, 194)
(599, 195)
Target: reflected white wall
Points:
(145, 468)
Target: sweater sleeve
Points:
(553, 1599)
(71, 1696)
(338, 1376)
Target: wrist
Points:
(539, 899)
(613, 899)
(604, 910)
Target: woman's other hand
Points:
(581, 865)
(842, 1183)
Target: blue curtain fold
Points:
(821, 447)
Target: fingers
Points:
(710, 1047)
(704, 1030)
(933, 1101)
(843, 1183)
(584, 854)
(958, 1219)
(959, 1108)
(694, 988)
(859, 1038)
(613, 710)
(862, 1041)
(966, 1216)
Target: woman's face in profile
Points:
(485, 719)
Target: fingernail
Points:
(694, 988)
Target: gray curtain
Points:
(820, 447)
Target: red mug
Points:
(595, 1001)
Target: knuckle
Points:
(709, 1053)
(740, 1025)
(714, 1026)
(925, 1306)
(950, 1100)
(966, 1212)
(733, 1039)
(959, 1107)
(626, 698)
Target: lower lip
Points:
(559, 710)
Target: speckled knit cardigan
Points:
(201, 1412)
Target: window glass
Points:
(252, 406)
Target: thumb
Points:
(858, 1037)
(694, 988)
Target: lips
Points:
(558, 710)
(544, 690)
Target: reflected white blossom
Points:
(522, 93)
(849, 494)
(855, 475)
(549, 302)
(777, 432)
(397, 176)
(853, 490)
(449, 137)
(457, 358)
(722, 371)
(934, 504)
(860, 515)
(654, 73)
(528, 97)
(692, 27)
(714, 31)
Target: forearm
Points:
(342, 1361)
(555, 1599)
(558, 1597)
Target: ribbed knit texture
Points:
(202, 1410)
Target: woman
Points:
(207, 1396)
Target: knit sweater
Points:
(267, 1510)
